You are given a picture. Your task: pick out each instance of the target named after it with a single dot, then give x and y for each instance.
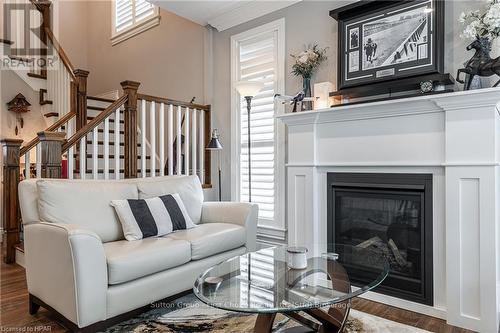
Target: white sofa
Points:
(79, 265)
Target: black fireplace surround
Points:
(390, 214)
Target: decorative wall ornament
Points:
(300, 97)
(19, 105)
(483, 27)
(306, 64)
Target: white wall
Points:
(308, 22)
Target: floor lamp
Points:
(248, 90)
(215, 144)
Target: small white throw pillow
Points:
(158, 216)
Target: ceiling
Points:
(222, 15)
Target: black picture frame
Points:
(418, 49)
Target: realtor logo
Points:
(25, 39)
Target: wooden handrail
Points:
(61, 53)
(55, 126)
(94, 123)
(150, 98)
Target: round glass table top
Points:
(263, 282)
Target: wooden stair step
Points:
(100, 99)
(110, 156)
(97, 108)
(110, 131)
(6, 41)
(38, 76)
(41, 97)
(111, 120)
(89, 142)
(51, 114)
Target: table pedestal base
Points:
(331, 321)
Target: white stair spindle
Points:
(71, 162)
(194, 130)
(143, 138)
(106, 148)
(83, 159)
(38, 162)
(71, 150)
(186, 142)
(202, 146)
(170, 141)
(117, 144)
(27, 163)
(95, 151)
(152, 139)
(179, 139)
(162, 140)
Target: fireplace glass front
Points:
(387, 213)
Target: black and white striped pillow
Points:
(158, 216)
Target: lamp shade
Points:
(249, 88)
(214, 143)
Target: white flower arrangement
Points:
(482, 23)
(306, 62)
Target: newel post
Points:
(11, 215)
(130, 117)
(81, 97)
(44, 8)
(51, 147)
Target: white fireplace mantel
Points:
(455, 137)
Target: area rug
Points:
(188, 315)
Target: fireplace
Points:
(390, 214)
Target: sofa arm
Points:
(66, 268)
(244, 214)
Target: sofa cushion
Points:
(131, 260)
(85, 203)
(188, 187)
(211, 238)
(152, 217)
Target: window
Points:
(131, 17)
(258, 55)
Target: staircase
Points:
(133, 136)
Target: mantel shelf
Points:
(398, 107)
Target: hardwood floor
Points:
(14, 316)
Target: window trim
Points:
(135, 29)
(267, 233)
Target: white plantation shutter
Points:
(258, 62)
(124, 16)
(143, 10)
(131, 14)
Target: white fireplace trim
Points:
(392, 164)
(454, 136)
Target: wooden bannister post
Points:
(11, 215)
(81, 97)
(130, 139)
(51, 144)
(44, 8)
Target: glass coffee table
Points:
(261, 282)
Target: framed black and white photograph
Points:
(393, 39)
(353, 38)
(354, 61)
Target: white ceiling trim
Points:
(247, 12)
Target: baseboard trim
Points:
(431, 311)
(35, 302)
